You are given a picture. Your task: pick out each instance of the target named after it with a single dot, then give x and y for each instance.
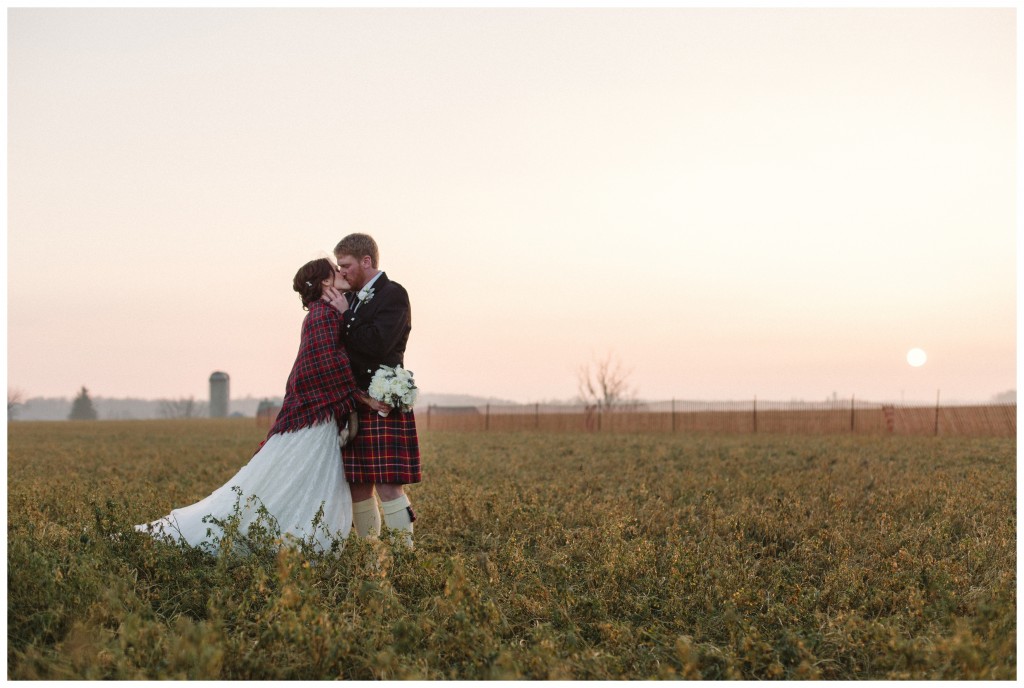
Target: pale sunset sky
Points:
(734, 202)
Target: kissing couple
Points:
(333, 444)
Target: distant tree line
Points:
(22, 407)
(183, 408)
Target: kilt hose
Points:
(384, 451)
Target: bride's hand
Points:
(378, 406)
(335, 298)
(371, 403)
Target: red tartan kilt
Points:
(384, 451)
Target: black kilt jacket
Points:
(384, 450)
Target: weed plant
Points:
(538, 556)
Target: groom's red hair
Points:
(357, 246)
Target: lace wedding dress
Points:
(292, 475)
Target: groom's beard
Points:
(358, 280)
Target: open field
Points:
(539, 555)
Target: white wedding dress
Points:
(291, 475)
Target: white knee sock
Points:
(398, 516)
(366, 518)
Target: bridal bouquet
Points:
(395, 387)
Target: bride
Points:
(297, 468)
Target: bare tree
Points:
(182, 408)
(15, 398)
(605, 383)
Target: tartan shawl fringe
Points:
(320, 385)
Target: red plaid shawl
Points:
(320, 384)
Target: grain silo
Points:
(220, 393)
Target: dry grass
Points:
(584, 556)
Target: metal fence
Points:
(755, 416)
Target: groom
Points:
(385, 453)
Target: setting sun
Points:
(916, 357)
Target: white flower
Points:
(378, 388)
(394, 386)
(365, 296)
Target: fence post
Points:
(936, 413)
(429, 406)
(673, 415)
(487, 417)
(852, 399)
(536, 415)
(755, 413)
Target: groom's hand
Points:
(335, 298)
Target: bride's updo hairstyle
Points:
(308, 278)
